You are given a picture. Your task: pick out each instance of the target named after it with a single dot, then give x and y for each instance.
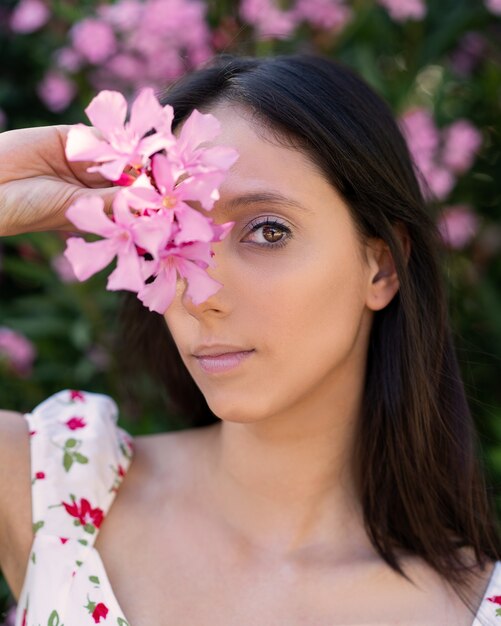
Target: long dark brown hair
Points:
(417, 461)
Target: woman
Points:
(329, 471)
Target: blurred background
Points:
(438, 64)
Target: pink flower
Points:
(270, 21)
(28, 16)
(18, 351)
(121, 235)
(185, 259)
(324, 14)
(458, 225)
(494, 6)
(101, 611)
(495, 599)
(123, 143)
(74, 423)
(63, 269)
(461, 142)
(10, 617)
(402, 10)
(207, 166)
(76, 395)
(84, 512)
(94, 40)
(56, 91)
(68, 59)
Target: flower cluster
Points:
(273, 22)
(153, 231)
(131, 44)
(440, 155)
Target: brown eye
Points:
(270, 233)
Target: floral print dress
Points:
(79, 457)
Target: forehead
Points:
(266, 160)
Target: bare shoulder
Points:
(15, 497)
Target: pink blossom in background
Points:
(458, 225)
(10, 617)
(123, 16)
(468, 54)
(494, 6)
(268, 19)
(439, 155)
(94, 40)
(461, 143)
(56, 91)
(68, 59)
(439, 180)
(403, 10)
(63, 269)
(325, 14)
(17, 350)
(28, 16)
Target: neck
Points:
(284, 483)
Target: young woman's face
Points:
(294, 290)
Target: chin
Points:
(242, 411)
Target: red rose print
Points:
(23, 623)
(75, 422)
(33, 432)
(40, 475)
(63, 540)
(85, 513)
(101, 611)
(495, 599)
(121, 471)
(76, 395)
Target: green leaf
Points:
(53, 619)
(94, 579)
(89, 528)
(38, 525)
(80, 458)
(84, 542)
(67, 461)
(70, 443)
(122, 622)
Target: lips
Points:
(216, 363)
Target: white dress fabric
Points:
(79, 457)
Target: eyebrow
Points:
(263, 197)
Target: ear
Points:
(383, 279)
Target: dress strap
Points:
(79, 457)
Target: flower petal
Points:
(127, 274)
(193, 225)
(200, 285)
(88, 215)
(88, 258)
(107, 111)
(146, 112)
(158, 295)
(83, 145)
(111, 170)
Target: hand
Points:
(38, 184)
